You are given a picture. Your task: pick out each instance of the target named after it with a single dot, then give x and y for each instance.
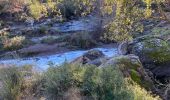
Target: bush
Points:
(63, 8)
(82, 40)
(33, 86)
(3, 35)
(37, 10)
(126, 21)
(92, 83)
(44, 8)
(141, 93)
(12, 81)
(10, 5)
(73, 8)
(20, 83)
(125, 26)
(13, 43)
(71, 81)
(55, 77)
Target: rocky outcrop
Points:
(131, 66)
(94, 57)
(154, 52)
(94, 54)
(123, 48)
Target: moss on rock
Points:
(163, 33)
(135, 76)
(131, 66)
(155, 50)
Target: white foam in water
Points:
(58, 59)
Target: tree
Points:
(126, 21)
(128, 17)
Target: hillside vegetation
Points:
(116, 49)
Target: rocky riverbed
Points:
(56, 59)
(45, 48)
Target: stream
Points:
(42, 63)
(83, 24)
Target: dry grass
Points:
(13, 43)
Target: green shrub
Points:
(92, 83)
(20, 83)
(37, 10)
(62, 8)
(12, 81)
(125, 26)
(140, 93)
(161, 32)
(75, 8)
(55, 77)
(126, 21)
(70, 81)
(105, 84)
(33, 86)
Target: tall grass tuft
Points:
(12, 80)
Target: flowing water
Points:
(57, 59)
(86, 24)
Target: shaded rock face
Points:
(94, 57)
(94, 54)
(131, 66)
(123, 48)
(98, 62)
(154, 53)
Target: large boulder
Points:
(94, 54)
(154, 52)
(91, 57)
(123, 48)
(131, 66)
